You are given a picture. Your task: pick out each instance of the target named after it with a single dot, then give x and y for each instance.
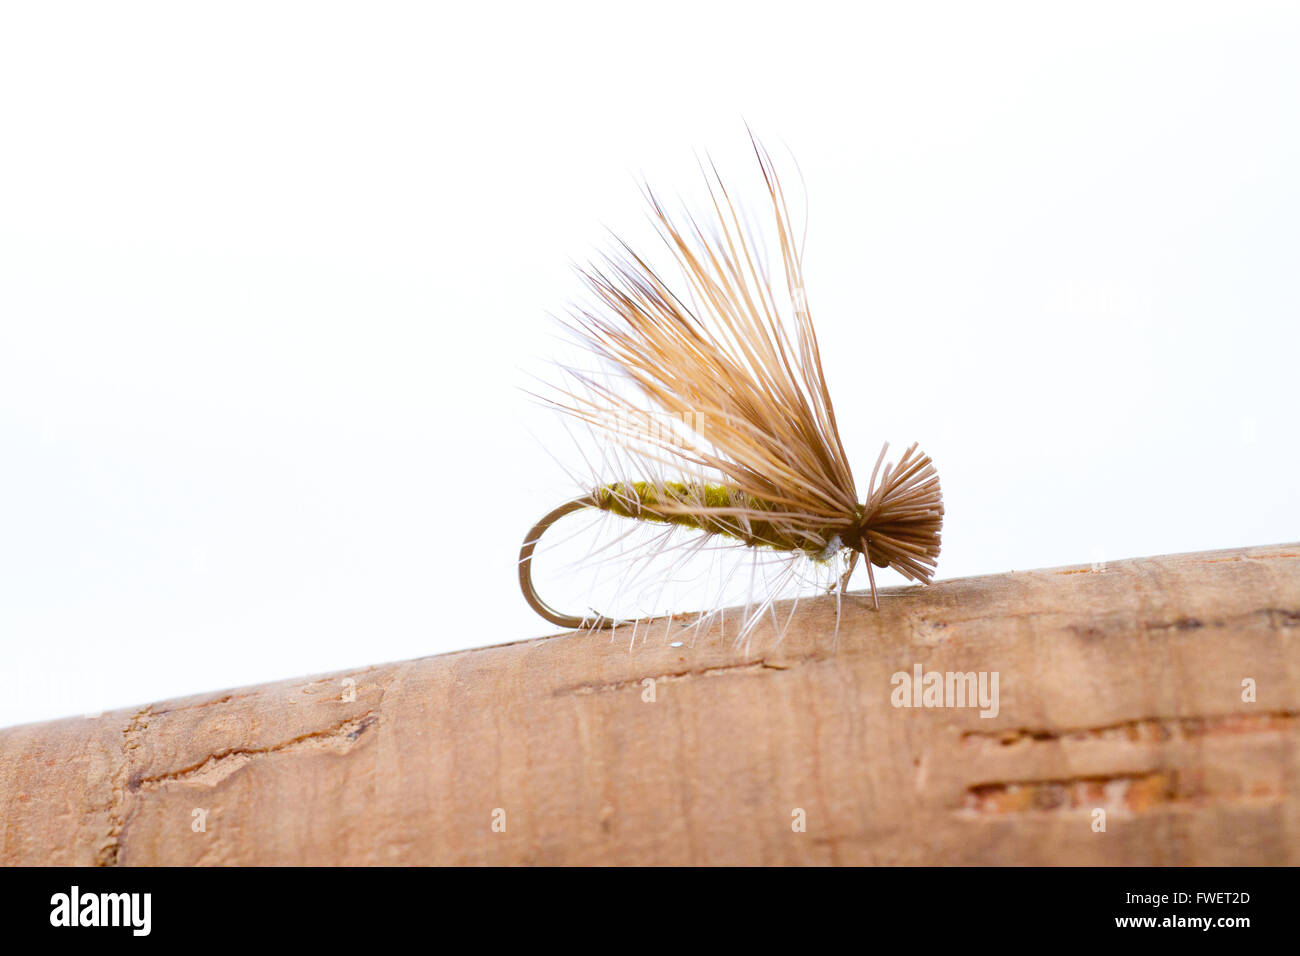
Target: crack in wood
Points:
(1138, 792)
(214, 768)
(1276, 616)
(631, 682)
(119, 813)
(1149, 729)
(208, 772)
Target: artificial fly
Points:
(760, 457)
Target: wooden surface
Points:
(1119, 690)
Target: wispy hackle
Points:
(731, 349)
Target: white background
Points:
(272, 276)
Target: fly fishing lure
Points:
(761, 462)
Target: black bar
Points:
(332, 906)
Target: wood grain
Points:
(1120, 689)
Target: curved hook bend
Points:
(526, 573)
